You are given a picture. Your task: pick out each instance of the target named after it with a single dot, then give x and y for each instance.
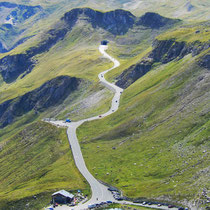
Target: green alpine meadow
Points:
(151, 149)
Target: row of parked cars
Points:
(96, 205)
(159, 204)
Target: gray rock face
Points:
(12, 66)
(167, 50)
(163, 51)
(116, 22)
(49, 94)
(133, 73)
(155, 21)
(205, 61)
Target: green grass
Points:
(37, 160)
(153, 145)
(150, 147)
(188, 33)
(69, 57)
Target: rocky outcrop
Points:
(2, 48)
(189, 7)
(117, 22)
(205, 61)
(155, 21)
(49, 94)
(133, 73)
(12, 66)
(163, 51)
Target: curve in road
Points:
(100, 192)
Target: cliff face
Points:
(163, 51)
(133, 73)
(167, 50)
(154, 20)
(12, 66)
(117, 22)
(49, 94)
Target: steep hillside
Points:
(49, 94)
(27, 62)
(156, 145)
(35, 160)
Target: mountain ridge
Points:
(117, 22)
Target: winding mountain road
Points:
(100, 192)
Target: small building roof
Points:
(64, 193)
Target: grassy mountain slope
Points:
(162, 118)
(155, 146)
(34, 160)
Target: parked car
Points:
(91, 206)
(119, 198)
(109, 202)
(171, 206)
(180, 208)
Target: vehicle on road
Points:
(119, 198)
(171, 206)
(100, 116)
(68, 121)
(109, 202)
(92, 206)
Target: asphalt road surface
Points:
(99, 191)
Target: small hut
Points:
(62, 197)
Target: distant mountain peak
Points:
(154, 20)
(116, 22)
